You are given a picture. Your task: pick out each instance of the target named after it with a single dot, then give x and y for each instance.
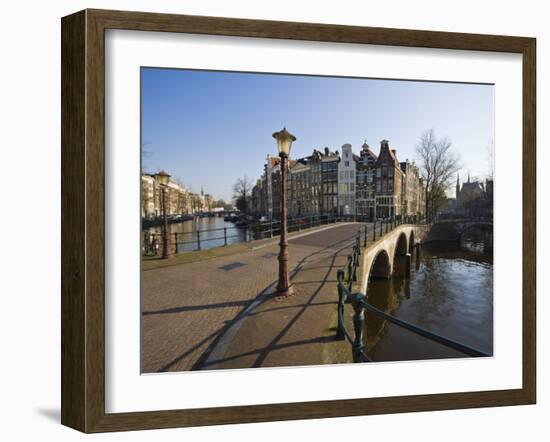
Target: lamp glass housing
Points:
(163, 177)
(284, 141)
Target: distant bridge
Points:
(453, 229)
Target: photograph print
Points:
(301, 220)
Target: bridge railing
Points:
(204, 238)
(197, 239)
(346, 276)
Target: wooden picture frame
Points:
(83, 219)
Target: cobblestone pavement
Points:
(186, 308)
(294, 331)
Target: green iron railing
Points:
(222, 236)
(359, 302)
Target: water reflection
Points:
(210, 230)
(449, 292)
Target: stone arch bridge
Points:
(390, 255)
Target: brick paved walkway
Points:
(186, 309)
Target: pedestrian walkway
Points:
(294, 331)
(188, 309)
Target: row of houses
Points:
(180, 200)
(326, 182)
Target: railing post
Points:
(341, 303)
(381, 227)
(225, 236)
(351, 267)
(176, 242)
(271, 227)
(348, 268)
(356, 254)
(359, 326)
(198, 239)
(365, 243)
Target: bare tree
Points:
(491, 159)
(241, 193)
(438, 166)
(145, 153)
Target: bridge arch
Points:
(401, 245)
(381, 266)
(411, 242)
(401, 258)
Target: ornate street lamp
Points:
(284, 143)
(163, 179)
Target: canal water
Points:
(449, 292)
(211, 233)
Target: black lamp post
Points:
(163, 179)
(284, 143)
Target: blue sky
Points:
(208, 128)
